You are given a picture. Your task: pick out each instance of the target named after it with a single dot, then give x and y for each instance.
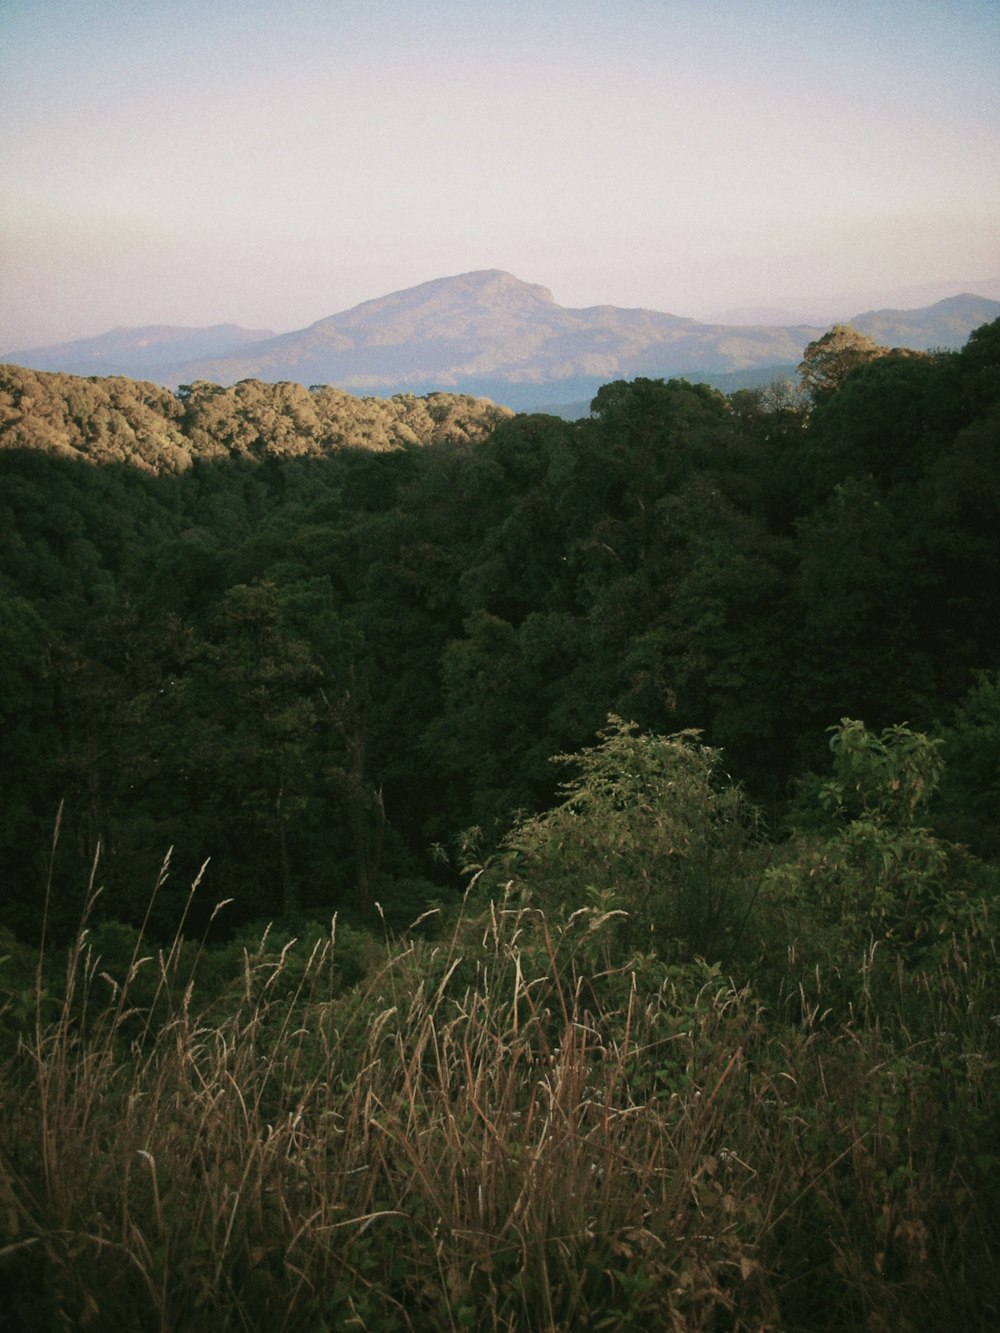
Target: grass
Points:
(498, 1129)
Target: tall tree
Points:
(827, 360)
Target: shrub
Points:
(653, 828)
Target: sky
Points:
(195, 162)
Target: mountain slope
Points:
(137, 353)
(946, 324)
(490, 329)
(487, 333)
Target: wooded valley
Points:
(676, 729)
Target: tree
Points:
(888, 420)
(508, 703)
(853, 630)
(874, 875)
(653, 828)
(28, 738)
(829, 359)
(717, 627)
(970, 791)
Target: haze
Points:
(269, 165)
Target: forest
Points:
(474, 870)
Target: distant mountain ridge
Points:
(490, 334)
(138, 352)
(944, 324)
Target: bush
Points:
(652, 828)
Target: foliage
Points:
(970, 790)
(829, 359)
(311, 637)
(492, 1129)
(146, 426)
(886, 779)
(870, 880)
(657, 1068)
(652, 829)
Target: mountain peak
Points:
(494, 282)
(481, 291)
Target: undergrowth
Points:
(497, 1130)
(515, 1118)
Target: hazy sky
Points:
(269, 164)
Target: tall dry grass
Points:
(496, 1130)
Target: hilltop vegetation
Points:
(699, 1026)
(117, 420)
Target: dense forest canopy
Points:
(324, 641)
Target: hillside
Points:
(118, 420)
(550, 872)
(750, 567)
(138, 353)
(944, 324)
(489, 334)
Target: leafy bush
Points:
(653, 829)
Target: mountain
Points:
(942, 325)
(488, 333)
(137, 353)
